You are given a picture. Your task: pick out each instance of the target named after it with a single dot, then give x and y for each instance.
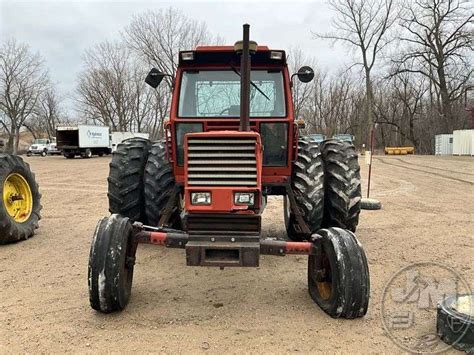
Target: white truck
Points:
(83, 140)
(41, 146)
(118, 137)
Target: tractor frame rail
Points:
(220, 251)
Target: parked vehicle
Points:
(40, 147)
(317, 138)
(83, 140)
(53, 149)
(344, 137)
(203, 188)
(118, 137)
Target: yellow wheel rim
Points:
(17, 198)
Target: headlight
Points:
(244, 198)
(200, 198)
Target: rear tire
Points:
(159, 185)
(111, 263)
(69, 155)
(307, 184)
(13, 228)
(87, 154)
(342, 185)
(125, 179)
(338, 277)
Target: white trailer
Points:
(463, 142)
(118, 137)
(444, 144)
(83, 140)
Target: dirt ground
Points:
(427, 215)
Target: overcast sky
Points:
(62, 30)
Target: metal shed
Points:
(444, 144)
(463, 142)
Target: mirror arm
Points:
(173, 80)
(291, 79)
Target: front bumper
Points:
(221, 251)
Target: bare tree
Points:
(23, 79)
(301, 91)
(439, 36)
(106, 87)
(47, 115)
(363, 25)
(158, 36)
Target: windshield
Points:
(216, 93)
(40, 141)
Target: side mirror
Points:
(305, 74)
(154, 78)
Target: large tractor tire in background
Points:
(20, 200)
(125, 179)
(338, 275)
(341, 184)
(159, 186)
(307, 184)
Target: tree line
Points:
(410, 81)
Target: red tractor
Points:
(231, 141)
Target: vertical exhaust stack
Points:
(245, 81)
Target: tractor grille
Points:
(222, 161)
(223, 224)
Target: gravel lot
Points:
(427, 215)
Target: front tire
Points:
(342, 185)
(338, 276)
(125, 191)
(20, 203)
(159, 186)
(307, 184)
(111, 263)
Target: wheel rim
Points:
(324, 284)
(17, 198)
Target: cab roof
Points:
(224, 55)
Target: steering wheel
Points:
(224, 110)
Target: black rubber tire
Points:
(69, 155)
(370, 204)
(10, 230)
(159, 184)
(348, 295)
(100, 154)
(125, 191)
(87, 154)
(454, 328)
(111, 263)
(44, 153)
(342, 189)
(307, 184)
